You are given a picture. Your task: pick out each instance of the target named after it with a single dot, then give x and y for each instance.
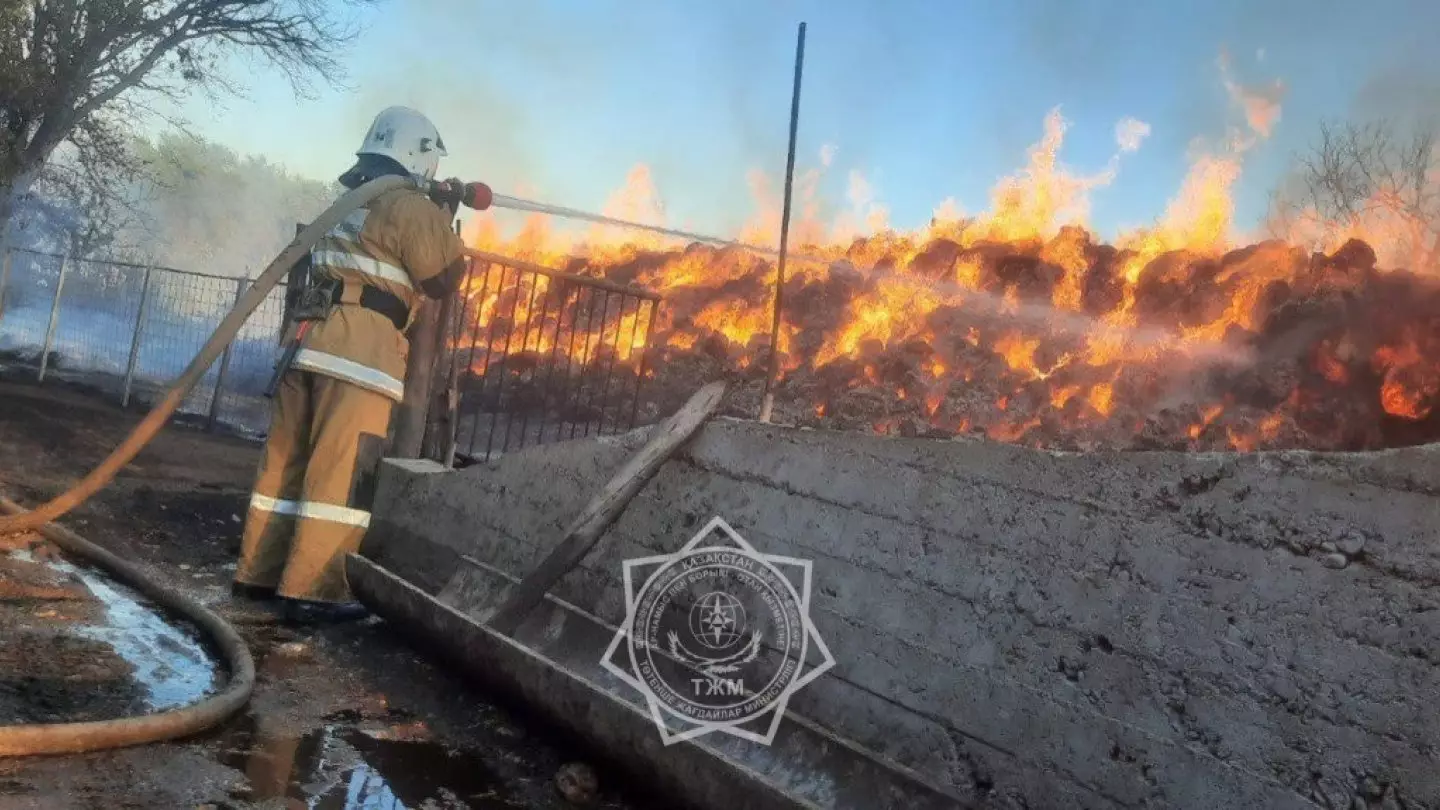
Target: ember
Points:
(1006, 326)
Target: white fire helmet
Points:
(408, 137)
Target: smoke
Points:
(566, 58)
(486, 129)
(1404, 90)
(1130, 132)
(1261, 103)
(948, 210)
(206, 209)
(865, 214)
(638, 201)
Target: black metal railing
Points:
(540, 356)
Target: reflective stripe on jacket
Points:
(396, 243)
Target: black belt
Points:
(377, 300)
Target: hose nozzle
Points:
(472, 195)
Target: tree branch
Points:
(63, 63)
(1371, 176)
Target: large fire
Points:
(1017, 324)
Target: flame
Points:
(1410, 385)
(1102, 398)
(1014, 322)
(1211, 413)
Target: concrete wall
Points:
(1029, 629)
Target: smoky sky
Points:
(928, 99)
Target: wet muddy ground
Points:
(77, 646)
(346, 716)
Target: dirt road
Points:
(347, 716)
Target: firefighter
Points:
(332, 405)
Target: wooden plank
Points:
(584, 532)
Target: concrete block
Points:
(1047, 629)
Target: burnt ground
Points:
(346, 710)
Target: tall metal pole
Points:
(767, 403)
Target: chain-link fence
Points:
(130, 330)
(533, 355)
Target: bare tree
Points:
(70, 69)
(93, 190)
(1373, 179)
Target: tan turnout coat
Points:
(311, 501)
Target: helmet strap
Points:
(368, 167)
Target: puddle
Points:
(168, 660)
(344, 768)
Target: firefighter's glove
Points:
(450, 197)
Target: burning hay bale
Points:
(1063, 344)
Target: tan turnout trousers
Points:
(312, 497)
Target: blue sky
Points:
(930, 99)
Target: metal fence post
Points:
(4, 279)
(135, 340)
(295, 280)
(54, 316)
(224, 365)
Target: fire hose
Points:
(161, 412)
(63, 738)
(74, 738)
(473, 195)
(69, 738)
